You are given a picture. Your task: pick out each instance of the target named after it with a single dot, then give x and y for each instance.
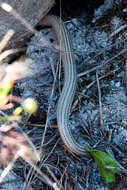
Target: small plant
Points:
(14, 142)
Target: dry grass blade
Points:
(10, 52)
(120, 29)
(6, 39)
(8, 168)
(100, 105)
(23, 151)
(103, 64)
(15, 148)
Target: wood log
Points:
(31, 10)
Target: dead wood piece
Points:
(31, 10)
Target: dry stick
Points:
(107, 47)
(126, 76)
(26, 185)
(49, 107)
(117, 31)
(30, 177)
(8, 168)
(100, 104)
(50, 140)
(117, 150)
(13, 12)
(103, 64)
(42, 125)
(50, 153)
(120, 167)
(110, 136)
(6, 39)
(40, 172)
(60, 55)
(20, 153)
(87, 177)
(32, 173)
(22, 150)
(26, 121)
(60, 181)
(90, 85)
(52, 174)
(54, 167)
(9, 52)
(44, 178)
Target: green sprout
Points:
(4, 91)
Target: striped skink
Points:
(68, 91)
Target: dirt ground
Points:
(100, 108)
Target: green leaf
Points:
(107, 166)
(4, 91)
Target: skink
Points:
(68, 91)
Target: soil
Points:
(99, 110)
